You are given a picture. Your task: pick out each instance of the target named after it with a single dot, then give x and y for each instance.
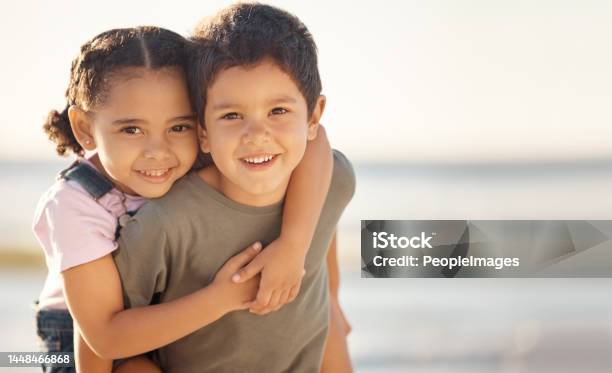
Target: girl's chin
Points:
(151, 191)
(154, 194)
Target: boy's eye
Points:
(181, 128)
(131, 130)
(231, 116)
(279, 110)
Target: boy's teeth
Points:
(260, 159)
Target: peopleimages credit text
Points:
(384, 240)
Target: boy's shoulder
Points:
(162, 222)
(191, 197)
(188, 197)
(179, 195)
(343, 177)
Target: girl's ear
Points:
(203, 138)
(317, 113)
(81, 126)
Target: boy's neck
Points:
(215, 179)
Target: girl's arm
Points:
(333, 272)
(336, 357)
(94, 296)
(86, 360)
(282, 262)
(306, 194)
(333, 275)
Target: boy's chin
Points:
(263, 188)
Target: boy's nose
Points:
(256, 132)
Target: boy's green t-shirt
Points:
(176, 244)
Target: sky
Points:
(405, 81)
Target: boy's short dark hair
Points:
(244, 34)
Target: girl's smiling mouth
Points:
(159, 175)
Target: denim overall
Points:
(54, 326)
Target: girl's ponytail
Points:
(57, 127)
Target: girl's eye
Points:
(131, 130)
(279, 110)
(231, 116)
(181, 128)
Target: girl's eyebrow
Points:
(223, 106)
(184, 117)
(124, 121)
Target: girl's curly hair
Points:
(104, 55)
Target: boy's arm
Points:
(94, 296)
(282, 262)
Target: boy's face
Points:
(257, 126)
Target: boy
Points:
(256, 90)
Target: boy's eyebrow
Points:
(277, 100)
(283, 99)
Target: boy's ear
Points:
(203, 139)
(81, 125)
(317, 113)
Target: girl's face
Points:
(145, 131)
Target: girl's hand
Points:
(281, 270)
(237, 296)
(338, 316)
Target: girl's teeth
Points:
(154, 172)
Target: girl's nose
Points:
(157, 149)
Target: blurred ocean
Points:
(417, 325)
(578, 190)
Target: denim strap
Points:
(91, 180)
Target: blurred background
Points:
(448, 110)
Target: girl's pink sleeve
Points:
(73, 228)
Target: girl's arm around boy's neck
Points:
(306, 194)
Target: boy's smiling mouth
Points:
(260, 161)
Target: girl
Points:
(127, 103)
